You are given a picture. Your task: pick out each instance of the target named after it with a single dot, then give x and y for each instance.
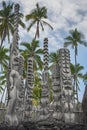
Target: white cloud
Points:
(61, 14)
(82, 25)
(53, 44)
(69, 10)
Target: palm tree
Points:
(37, 17)
(77, 74)
(33, 50)
(7, 21)
(74, 39)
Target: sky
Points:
(63, 15)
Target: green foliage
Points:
(7, 21)
(77, 74)
(85, 78)
(53, 57)
(37, 88)
(32, 50)
(74, 39)
(3, 57)
(36, 17)
(3, 66)
(76, 69)
(37, 93)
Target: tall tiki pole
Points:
(14, 50)
(56, 91)
(14, 45)
(14, 74)
(46, 54)
(66, 86)
(29, 88)
(16, 23)
(20, 101)
(45, 87)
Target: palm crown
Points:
(33, 50)
(36, 16)
(74, 39)
(7, 21)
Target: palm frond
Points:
(83, 43)
(39, 61)
(34, 44)
(31, 24)
(53, 57)
(42, 26)
(39, 51)
(22, 24)
(66, 44)
(47, 24)
(29, 17)
(26, 45)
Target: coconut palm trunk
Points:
(75, 79)
(37, 31)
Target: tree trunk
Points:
(75, 80)
(37, 31)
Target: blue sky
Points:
(63, 15)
